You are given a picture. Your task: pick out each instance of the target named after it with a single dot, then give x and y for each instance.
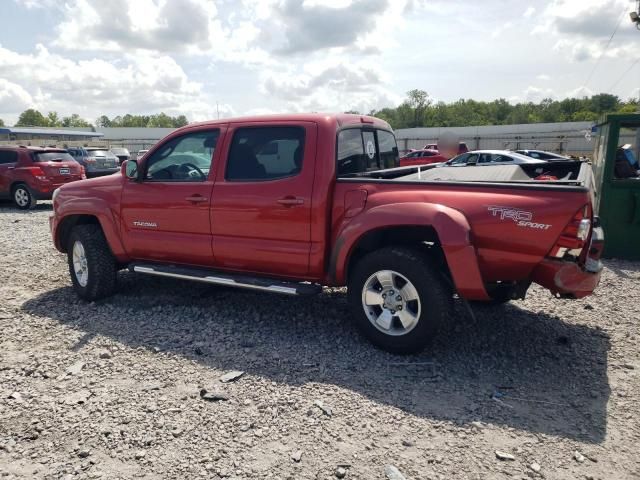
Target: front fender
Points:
(452, 228)
(95, 207)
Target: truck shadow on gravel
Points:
(510, 367)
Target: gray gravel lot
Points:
(540, 388)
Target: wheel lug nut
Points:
(393, 312)
(400, 307)
(384, 295)
(391, 292)
(399, 298)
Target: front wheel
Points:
(23, 198)
(398, 300)
(92, 266)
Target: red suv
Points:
(29, 174)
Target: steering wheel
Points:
(190, 168)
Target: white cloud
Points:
(328, 87)
(579, 93)
(145, 83)
(528, 13)
(544, 77)
(536, 94)
(13, 98)
(583, 28)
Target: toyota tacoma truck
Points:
(291, 203)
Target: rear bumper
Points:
(569, 279)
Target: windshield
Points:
(52, 157)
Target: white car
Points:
(488, 158)
(141, 154)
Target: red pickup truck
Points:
(289, 203)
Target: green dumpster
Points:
(617, 184)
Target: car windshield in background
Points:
(52, 157)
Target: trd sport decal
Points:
(522, 218)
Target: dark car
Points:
(542, 155)
(96, 161)
(122, 153)
(29, 174)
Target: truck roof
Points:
(340, 118)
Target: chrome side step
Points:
(226, 279)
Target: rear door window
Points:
(265, 153)
(8, 156)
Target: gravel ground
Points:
(540, 388)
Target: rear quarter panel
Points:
(505, 249)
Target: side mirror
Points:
(130, 169)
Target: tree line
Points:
(418, 110)
(34, 118)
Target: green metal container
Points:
(617, 200)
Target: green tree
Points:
(32, 118)
(74, 121)
(103, 121)
(418, 101)
(180, 121)
(53, 120)
(1, 123)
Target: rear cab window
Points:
(365, 150)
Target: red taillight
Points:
(37, 172)
(83, 173)
(575, 235)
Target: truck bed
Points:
(568, 174)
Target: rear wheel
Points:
(92, 266)
(398, 300)
(23, 198)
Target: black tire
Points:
(22, 197)
(100, 263)
(435, 298)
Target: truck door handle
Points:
(196, 199)
(290, 201)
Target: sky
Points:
(210, 58)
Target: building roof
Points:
(48, 131)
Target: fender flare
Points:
(106, 218)
(451, 226)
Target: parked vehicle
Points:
(483, 158)
(462, 148)
(122, 154)
(422, 157)
(542, 155)
(289, 203)
(141, 154)
(29, 174)
(100, 161)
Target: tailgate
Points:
(60, 172)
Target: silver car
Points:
(485, 158)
